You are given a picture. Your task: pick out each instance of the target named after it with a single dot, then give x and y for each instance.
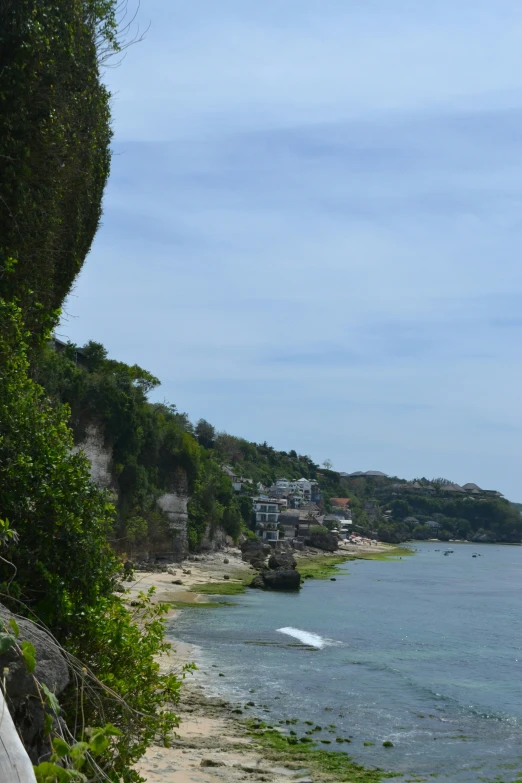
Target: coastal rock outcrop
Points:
(258, 582)
(281, 560)
(254, 550)
(281, 579)
(22, 696)
(326, 541)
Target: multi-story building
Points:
(266, 509)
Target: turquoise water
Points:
(425, 651)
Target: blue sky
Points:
(313, 226)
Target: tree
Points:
(95, 355)
(328, 464)
(205, 433)
(400, 509)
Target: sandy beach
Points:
(212, 742)
(213, 567)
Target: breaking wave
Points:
(310, 639)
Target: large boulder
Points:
(282, 579)
(326, 541)
(22, 696)
(254, 549)
(281, 560)
(258, 563)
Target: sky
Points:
(313, 224)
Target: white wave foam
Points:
(310, 639)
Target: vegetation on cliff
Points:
(60, 568)
(152, 448)
(54, 147)
(56, 562)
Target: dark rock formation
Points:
(281, 579)
(481, 537)
(326, 541)
(254, 545)
(22, 695)
(258, 582)
(254, 549)
(281, 560)
(259, 565)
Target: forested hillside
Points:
(152, 447)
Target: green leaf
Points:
(50, 698)
(61, 747)
(7, 641)
(98, 743)
(14, 627)
(48, 724)
(47, 772)
(78, 751)
(29, 654)
(112, 731)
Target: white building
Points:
(267, 515)
(309, 488)
(266, 509)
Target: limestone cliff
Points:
(173, 504)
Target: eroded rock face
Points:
(326, 541)
(254, 549)
(99, 456)
(281, 560)
(22, 695)
(174, 506)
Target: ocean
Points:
(425, 651)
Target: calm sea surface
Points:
(425, 651)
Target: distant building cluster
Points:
(289, 508)
(424, 487)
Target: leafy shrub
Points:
(66, 571)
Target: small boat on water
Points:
(449, 552)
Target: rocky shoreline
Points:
(219, 741)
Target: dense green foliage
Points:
(414, 512)
(153, 450)
(492, 519)
(261, 462)
(54, 147)
(61, 568)
(46, 494)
